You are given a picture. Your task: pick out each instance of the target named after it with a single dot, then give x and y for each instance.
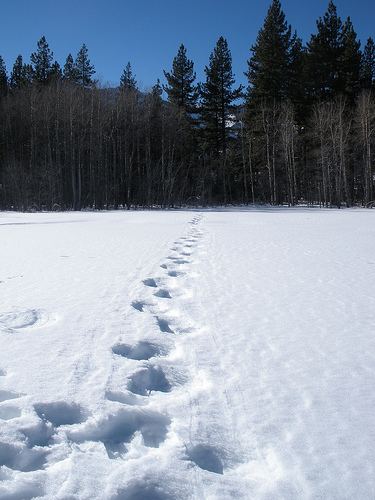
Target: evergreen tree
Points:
(42, 62)
(180, 89)
(368, 66)
(218, 96)
(15, 80)
(334, 58)
(324, 54)
(21, 75)
(270, 67)
(127, 80)
(217, 108)
(56, 72)
(350, 63)
(83, 68)
(70, 71)
(3, 78)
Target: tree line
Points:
(302, 131)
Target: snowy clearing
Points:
(206, 354)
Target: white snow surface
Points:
(188, 354)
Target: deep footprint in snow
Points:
(6, 395)
(138, 305)
(150, 282)
(39, 434)
(115, 430)
(124, 398)
(149, 379)
(175, 274)
(141, 491)
(9, 412)
(139, 351)
(206, 457)
(163, 325)
(21, 458)
(2, 373)
(61, 413)
(164, 294)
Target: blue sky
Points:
(148, 33)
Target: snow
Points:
(206, 354)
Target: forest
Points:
(303, 131)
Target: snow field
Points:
(168, 355)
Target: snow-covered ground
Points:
(207, 354)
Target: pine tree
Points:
(324, 55)
(15, 80)
(70, 71)
(42, 62)
(218, 96)
(217, 107)
(180, 88)
(127, 80)
(83, 68)
(368, 66)
(56, 72)
(3, 78)
(270, 67)
(21, 75)
(350, 63)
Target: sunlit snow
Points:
(208, 354)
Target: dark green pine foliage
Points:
(56, 72)
(22, 74)
(368, 66)
(270, 71)
(350, 63)
(218, 98)
(70, 72)
(83, 68)
(181, 90)
(334, 58)
(16, 78)
(127, 80)
(217, 117)
(42, 62)
(3, 78)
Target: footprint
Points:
(141, 491)
(39, 434)
(164, 294)
(123, 398)
(2, 373)
(21, 458)
(6, 395)
(175, 274)
(9, 412)
(147, 380)
(163, 325)
(150, 282)
(138, 305)
(25, 489)
(206, 457)
(61, 413)
(115, 430)
(140, 351)
(178, 260)
(18, 319)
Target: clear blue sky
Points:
(148, 33)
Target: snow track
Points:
(187, 355)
